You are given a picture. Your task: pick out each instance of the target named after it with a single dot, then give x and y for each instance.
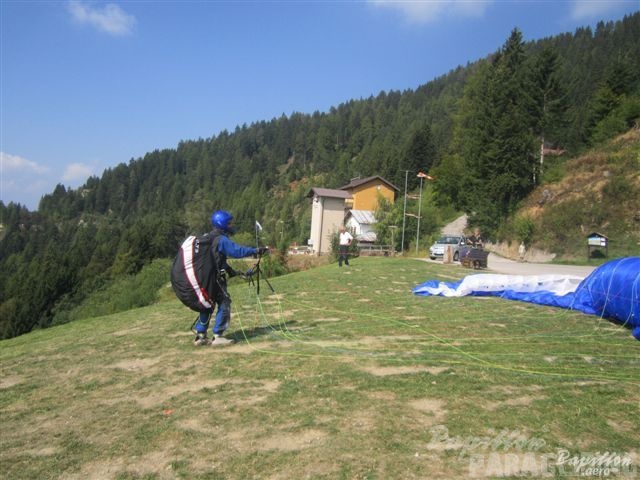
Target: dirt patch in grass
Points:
(127, 331)
(514, 389)
(195, 424)
(523, 401)
(181, 334)
(624, 427)
(259, 393)
(314, 468)
(382, 395)
(43, 452)
(10, 381)
(152, 464)
(383, 341)
(283, 314)
(243, 347)
(293, 441)
(404, 370)
(136, 364)
(363, 421)
(245, 440)
(431, 406)
(162, 395)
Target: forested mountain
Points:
(479, 129)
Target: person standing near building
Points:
(345, 242)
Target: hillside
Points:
(598, 191)
(342, 374)
(477, 129)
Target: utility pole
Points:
(421, 176)
(404, 212)
(419, 207)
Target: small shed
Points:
(597, 241)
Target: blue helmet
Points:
(222, 220)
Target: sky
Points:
(86, 85)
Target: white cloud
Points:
(25, 181)
(429, 11)
(22, 181)
(77, 171)
(16, 163)
(590, 9)
(111, 19)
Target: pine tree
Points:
(550, 103)
(419, 153)
(495, 136)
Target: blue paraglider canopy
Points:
(611, 291)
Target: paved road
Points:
(500, 264)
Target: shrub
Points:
(123, 293)
(524, 229)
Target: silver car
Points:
(455, 241)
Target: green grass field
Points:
(344, 374)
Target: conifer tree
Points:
(549, 103)
(495, 135)
(419, 153)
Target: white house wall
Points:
(327, 216)
(354, 226)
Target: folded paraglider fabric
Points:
(611, 291)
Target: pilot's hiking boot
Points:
(201, 339)
(220, 341)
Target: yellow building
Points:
(365, 192)
(329, 208)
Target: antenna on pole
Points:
(421, 176)
(419, 206)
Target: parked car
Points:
(455, 241)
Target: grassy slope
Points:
(343, 374)
(598, 191)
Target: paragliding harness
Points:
(196, 276)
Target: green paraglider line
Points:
(471, 358)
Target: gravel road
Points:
(499, 264)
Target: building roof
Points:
(363, 217)
(328, 192)
(356, 182)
